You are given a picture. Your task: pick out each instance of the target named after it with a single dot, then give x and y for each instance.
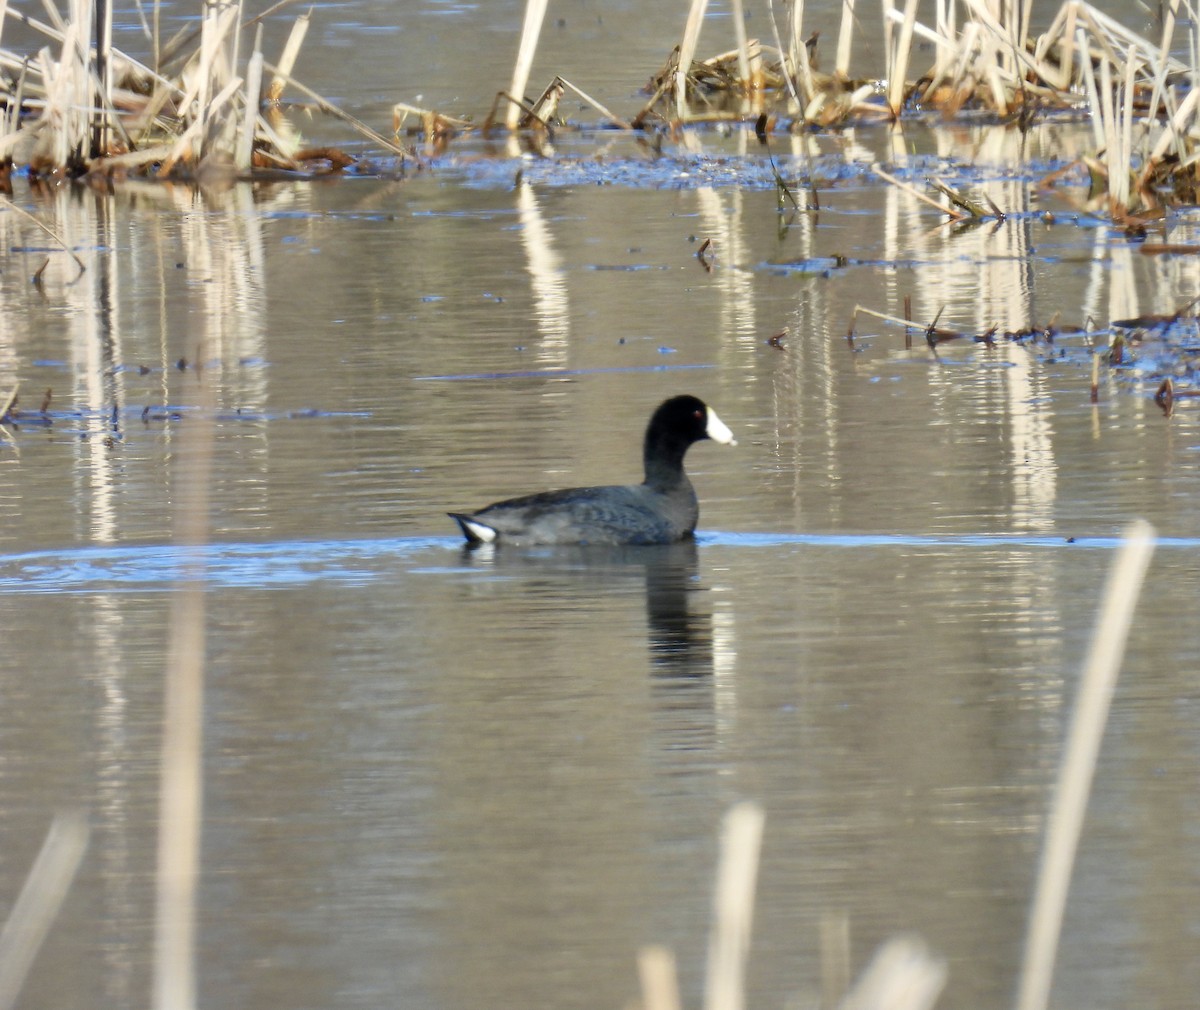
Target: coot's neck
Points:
(663, 453)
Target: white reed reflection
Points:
(548, 286)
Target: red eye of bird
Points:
(698, 415)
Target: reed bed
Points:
(82, 106)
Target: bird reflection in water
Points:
(679, 627)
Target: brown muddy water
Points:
(439, 780)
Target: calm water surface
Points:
(437, 779)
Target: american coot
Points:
(661, 510)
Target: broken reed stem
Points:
(913, 191)
(1065, 822)
(624, 124)
(733, 907)
(287, 59)
(39, 901)
(328, 107)
(659, 980)
(902, 975)
(535, 12)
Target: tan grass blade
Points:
(1082, 748)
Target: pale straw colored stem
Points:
(328, 107)
(1065, 823)
(39, 901)
(687, 52)
(535, 12)
(841, 65)
(902, 975)
(660, 984)
(254, 75)
(913, 191)
(900, 62)
(287, 59)
(733, 907)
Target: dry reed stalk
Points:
(1164, 55)
(610, 116)
(733, 907)
(287, 59)
(244, 156)
(687, 52)
(913, 191)
(328, 107)
(739, 34)
(659, 981)
(835, 958)
(1100, 670)
(1061, 33)
(42, 895)
(902, 975)
(1173, 133)
(841, 64)
(899, 59)
(785, 69)
(944, 26)
(796, 66)
(535, 12)
(189, 147)
(9, 401)
(104, 58)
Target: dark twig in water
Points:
(760, 131)
(700, 255)
(1156, 321)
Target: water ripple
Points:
(288, 564)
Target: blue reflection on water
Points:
(287, 564)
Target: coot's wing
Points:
(585, 515)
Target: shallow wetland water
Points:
(438, 779)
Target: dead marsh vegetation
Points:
(207, 104)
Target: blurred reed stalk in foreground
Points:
(1078, 767)
(33, 912)
(903, 974)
